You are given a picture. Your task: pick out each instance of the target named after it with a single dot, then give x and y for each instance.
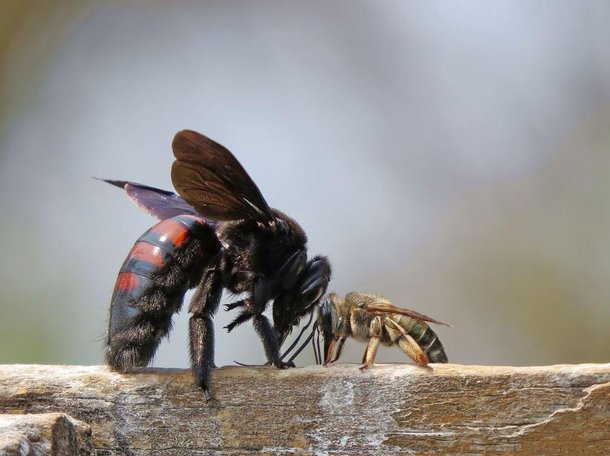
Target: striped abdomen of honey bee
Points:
(367, 317)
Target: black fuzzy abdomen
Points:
(165, 261)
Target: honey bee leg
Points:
(338, 349)
(201, 328)
(406, 343)
(371, 348)
(329, 350)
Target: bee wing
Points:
(211, 180)
(161, 204)
(385, 307)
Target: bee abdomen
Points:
(428, 340)
(159, 248)
(163, 263)
(436, 351)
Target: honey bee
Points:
(365, 316)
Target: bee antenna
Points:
(304, 344)
(296, 341)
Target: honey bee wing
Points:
(159, 203)
(385, 307)
(213, 181)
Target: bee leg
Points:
(234, 305)
(243, 317)
(406, 343)
(271, 341)
(338, 349)
(201, 328)
(268, 334)
(329, 350)
(371, 348)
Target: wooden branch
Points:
(391, 409)
(41, 434)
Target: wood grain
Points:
(391, 409)
(43, 434)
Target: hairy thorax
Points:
(256, 250)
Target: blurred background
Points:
(451, 156)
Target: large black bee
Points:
(218, 234)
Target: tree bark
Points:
(387, 410)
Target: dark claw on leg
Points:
(206, 395)
(244, 316)
(284, 365)
(234, 305)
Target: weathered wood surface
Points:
(42, 434)
(391, 409)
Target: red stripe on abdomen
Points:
(171, 230)
(150, 253)
(127, 281)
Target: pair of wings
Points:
(210, 181)
(385, 307)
